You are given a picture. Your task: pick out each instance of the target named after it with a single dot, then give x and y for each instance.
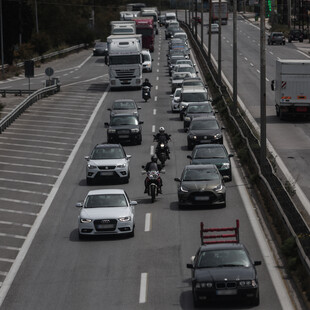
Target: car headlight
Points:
(120, 165)
(85, 220)
(248, 283)
(183, 106)
(218, 136)
(187, 119)
(183, 189)
(219, 188)
(90, 166)
(225, 166)
(124, 219)
(135, 130)
(204, 284)
(111, 131)
(192, 137)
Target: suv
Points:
(276, 38)
(107, 161)
(295, 35)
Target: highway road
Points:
(43, 265)
(289, 138)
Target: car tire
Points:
(89, 181)
(132, 233)
(196, 301)
(81, 236)
(283, 43)
(126, 179)
(255, 301)
(190, 146)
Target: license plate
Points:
(105, 173)
(205, 141)
(226, 292)
(105, 226)
(301, 109)
(202, 198)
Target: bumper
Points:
(110, 174)
(201, 199)
(134, 138)
(201, 140)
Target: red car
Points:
(197, 19)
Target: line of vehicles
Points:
(221, 268)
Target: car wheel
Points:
(255, 301)
(89, 181)
(81, 236)
(126, 180)
(132, 234)
(196, 301)
(190, 146)
(284, 43)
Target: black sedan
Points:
(100, 49)
(213, 154)
(201, 185)
(124, 128)
(224, 270)
(203, 130)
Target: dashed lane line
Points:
(29, 166)
(34, 159)
(25, 182)
(21, 202)
(17, 211)
(29, 173)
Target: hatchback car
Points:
(175, 101)
(100, 49)
(124, 128)
(201, 185)
(196, 110)
(124, 106)
(295, 35)
(214, 28)
(276, 38)
(106, 212)
(107, 161)
(204, 130)
(147, 61)
(213, 154)
(224, 270)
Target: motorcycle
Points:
(162, 152)
(153, 180)
(146, 93)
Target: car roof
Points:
(222, 246)
(199, 167)
(202, 146)
(107, 145)
(122, 100)
(106, 191)
(194, 89)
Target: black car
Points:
(213, 154)
(224, 270)
(296, 35)
(196, 110)
(100, 49)
(276, 38)
(171, 30)
(124, 128)
(204, 130)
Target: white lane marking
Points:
(18, 212)
(157, 78)
(301, 52)
(143, 288)
(30, 173)
(245, 58)
(147, 226)
(267, 79)
(156, 87)
(48, 202)
(155, 98)
(258, 70)
(251, 64)
(35, 140)
(22, 191)
(8, 260)
(2, 273)
(38, 159)
(154, 111)
(46, 125)
(37, 147)
(153, 128)
(14, 224)
(157, 70)
(13, 236)
(61, 134)
(152, 150)
(158, 64)
(21, 202)
(271, 52)
(28, 166)
(11, 248)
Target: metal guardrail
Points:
(35, 96)
(269, 182)
(16, 92)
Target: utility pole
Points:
(196, 19)
(209, 31)
(201, 34)
(262, 86)
(2, 49)
(219, 61)
(235, 84)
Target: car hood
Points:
(204, 161)
(192, 115)
(107, 162)
(200, 185)
(129, 111)
(204, 132)
(222, 273)
(124, 127)
(100, 213)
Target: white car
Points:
(185, 70)
(175, 102)
(106, 212)
(147, 61)
(107, 161)
(214, 28)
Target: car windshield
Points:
(123, 105)
(223, 258)
(105, 201)
(186, 69)
(146, 57)
(278, 35)
(107, 153)
(200, 174)
(177, 93)
(195, 97)
(192, 83)
(174, 60)
(126, 60)
(203, 108)
(210, 152)
(124, 120)
(204, 125)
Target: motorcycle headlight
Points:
(162, 145)
(111, 131)
(124, 219)
(85, 220)
(90, 166)
(218, 136)
(135, 130)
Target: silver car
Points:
(201, 185)
(107, 161)
(106, 212)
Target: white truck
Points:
(123, 27)
(128, 15)
(215, 11)
(292, 88)
(125, 60)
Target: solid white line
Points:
(301, 52)
(153, 128)
(147, 226)
(32, 233)
(143, 288)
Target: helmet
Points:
(146, 80)
(154, 158)
(161, 129)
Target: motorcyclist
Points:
(146, 83)
(163, 137)
(153, 165)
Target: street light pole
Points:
(2, 49)
(235, 84)
(219, 44)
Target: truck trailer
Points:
(291, 86)
(145, 27)
(121, 27)
(215, 12)
(125, 60)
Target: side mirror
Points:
(133, 203)
(109, 109)
(87, 158)
(230, 155)
(177, 179)
(189, 156)
(139, 108)
(190, 266)
(171, 96)
(141, 122)
(106, 124)
(79, 205)
(128, 157)
(257, 263)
